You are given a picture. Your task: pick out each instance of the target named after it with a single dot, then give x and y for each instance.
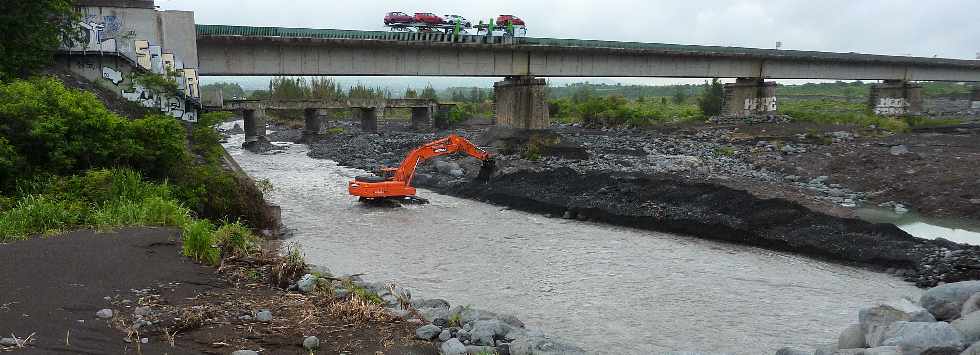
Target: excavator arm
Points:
(399, 183)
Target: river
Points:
(608, 289)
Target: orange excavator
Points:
(396, 183)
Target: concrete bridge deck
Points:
(244, 50)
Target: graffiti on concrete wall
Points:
(760, 104)
(112, 75)
(142, 48)
(892, 106)
(191, 83)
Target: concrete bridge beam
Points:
(421, 118)
(522, 103)
(368, 117)
(749, 97)
(896, 98)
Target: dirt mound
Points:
(716, 212)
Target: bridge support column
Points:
(368, 117)
(749, 97)
(441, 119)
(313, 123)
(522, 103)
(421, 118)
(896, 98)
(254, 121)
(975, 98)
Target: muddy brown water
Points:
(608, 289)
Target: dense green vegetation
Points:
(228, 90)
(32, 31)
(67, 163)
(595, 110)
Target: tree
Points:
(32, 32)
(457, 96)
(711, 98)
(411, 93)
(680, 95)
(429, 93)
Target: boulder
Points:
(263, 315)
(311, 343)
(899, 150)
(791, 351)
(430, 303)
(971, 305)
(852, 338)
(916, 338)
(535, 342)
(946, 302)
(827, 349)
(453, 347)
(8, 342)
(469, 315)
(427, 332)
(244, 352)
(445, 335)
(307, 283)
(969, 327)
(972, 350)
(485, 331)
(104, 313)
(874, 321)
(511, 320)
(883, 350)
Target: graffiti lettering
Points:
(760, 105)
(143, 54)
(892, 106)
(112, 75)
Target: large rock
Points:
(883, 350)
(946, 302)
(916, 338)
(791, 351)
(311, 343)
(827, 349)
(535, 342)
(307, 283)
(972, 350)
(427, 332)
(852, 338)
(874, 321)
(969, 326)
(453, 347)
(971, 305)
(480, 350)
(486, 331)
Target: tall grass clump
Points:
(39, 214)
(235, 239)
(152, 211)
(199, 243)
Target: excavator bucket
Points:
(489, 165)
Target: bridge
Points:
(243, 50)
(124, 36)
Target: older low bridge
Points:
(240, 50)
(426, 113)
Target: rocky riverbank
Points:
(668, 181)
(944, 321)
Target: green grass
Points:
(152, 211)
(236, 239)
(199, 242)
(39, 214)
(840, 113)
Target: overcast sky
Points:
(944, 28)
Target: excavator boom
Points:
(399, 183)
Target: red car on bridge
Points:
(502, 20)
(398, 18)
(428, 18)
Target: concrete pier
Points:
(975, 98)
(441, 118)
(313, 123)
(522, 103)
(896, 98)
(254, 121)
(368, 117)
(421, 118)
(749, 97)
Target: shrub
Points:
(38, 214)
(199, 243)
(711, 99)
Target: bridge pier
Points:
(441, 119)
(896, 98)
(368, 117)
(254, 121)
(749, 97)
(522, 103)
(975, 98)
(313, 123)
(421, 118)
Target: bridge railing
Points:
(247, 31)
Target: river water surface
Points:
(608, 289)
